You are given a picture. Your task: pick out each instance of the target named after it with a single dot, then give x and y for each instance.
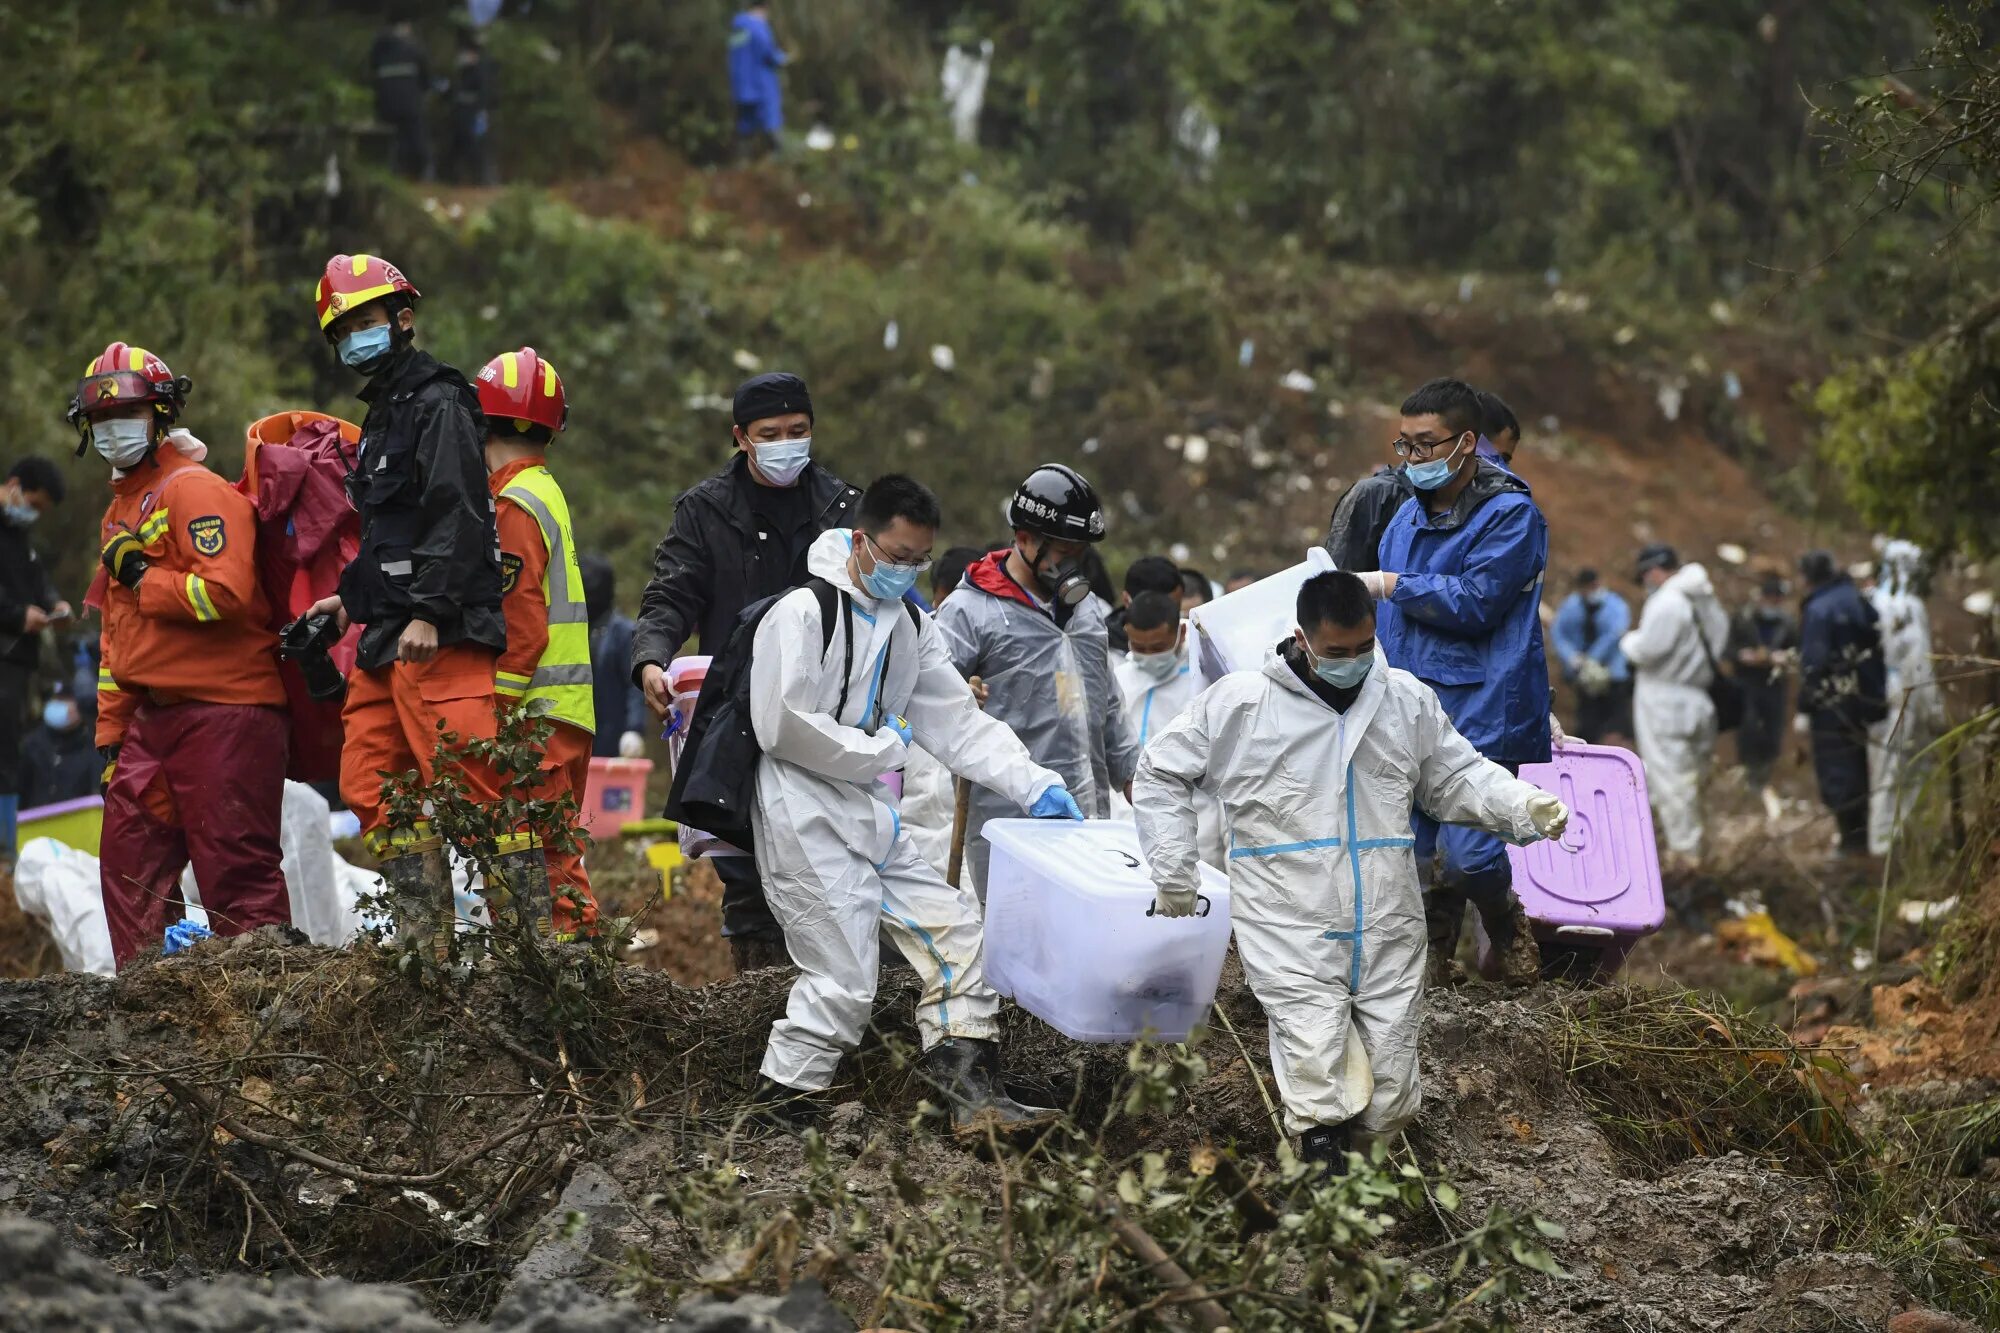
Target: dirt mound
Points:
(293, 1110)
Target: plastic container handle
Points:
(1201, 906)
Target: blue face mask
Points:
(21, 515)
(365, 349)
(58, 715)
(1343, 673)
(889, 581)
(1429, 476)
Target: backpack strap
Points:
(834, 601)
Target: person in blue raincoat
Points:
(1588, 626)
(754, 62)
(1461, 589)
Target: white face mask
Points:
(122, 441)
(1159, 666)
(781, 461)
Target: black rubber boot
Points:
(1444, 915)
(751, 952)
(1517, 958)
(965, 1073)
(519, 886)
(421, 907)
(784, 1109)
(1324, 1148)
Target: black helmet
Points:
(1055, 501)
(1656, 555)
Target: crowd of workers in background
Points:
(1361, 787)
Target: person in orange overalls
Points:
(546, 667)
(191, 722)
(425, 584)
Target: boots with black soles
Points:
(964, 1074)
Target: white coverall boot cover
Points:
(837, 867)
(1323, 889)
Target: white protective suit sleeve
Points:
(1457, 785)
(1663, 622)
(946, 720)
(785, 675)
(1173, 767)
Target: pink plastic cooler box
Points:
(615, 796)
(1598, 890)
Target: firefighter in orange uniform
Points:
(190, 723)
(546, 667)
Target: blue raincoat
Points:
(754, 62)
(1573, 641)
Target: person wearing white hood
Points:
(1682, 630)
(832, 714)
(1317, 760)
(1916, 706)
(1158, 683)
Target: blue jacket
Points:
(621, 705)
(1466, 616)
(1843, 682)
(754, 62)
(1575, 638)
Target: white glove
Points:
(631, 746)
(1550, 816)
(1169, 902)
(1376, 582)
(1557, 736)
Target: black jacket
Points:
(429, 548)
(1750, 631)
(24, 582)
(59, 766)
(710, 565)
(1354, 537)
(1842, 680)
(402, 74)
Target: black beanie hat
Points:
(775, 393)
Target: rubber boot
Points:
(1517, 959)
(966, 1072)
(1444, 915)
(748, 953)
(1324, 1148)
(785, 1109)
(421, 909)
(518, 888)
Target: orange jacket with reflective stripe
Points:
(524, 557)
(198, 625)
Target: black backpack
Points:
(715, 782)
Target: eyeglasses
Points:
(917, 563)
(1408, 448)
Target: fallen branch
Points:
(250, 1198)
(1203, 1307)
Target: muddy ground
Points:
(256, 1107)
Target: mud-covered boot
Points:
(421, 908)
(965, 1073)
(1517, 958)
(518, 888)
(748, 953)
(788, 1110)
(1444, 912)
(1324, 1148)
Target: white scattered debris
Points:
(820, 139)
(489, 313)
(1042, 382)
(1669, 399)
(1467, 284)
(642, 939)
(892, 336)
(1732, 385)
(1297, 381)
(1917, 912)
(1978, 603)
(1729, 553)
(1174, 442)
(331, 182)
(1552, 276)
(709, 402)
(1092, 445)
(1301, 482)
(963, 83)
(1181, 552)
(1336, 409)
(1195, 450)
(1246, 352)
(805, 199)
(1719, 311)
(1863, 960)
(1625, 335)
(916, 437)
(455, 212)
(1198, 135)
(747, 360)
(323, 1191)
(943, 357)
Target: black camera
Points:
(309, 641)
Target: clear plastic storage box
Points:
(1069, 937)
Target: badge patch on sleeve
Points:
(510, 572)
(208, 535)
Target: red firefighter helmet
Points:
(355, 280)
(522, 386)
(120, 376)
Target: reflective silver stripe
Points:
(562, 610)
(559, 675)
(398, 568)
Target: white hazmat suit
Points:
(1151, 706)
(1671, 710)
(837, 867)
(1322, 877)
(1916, 707)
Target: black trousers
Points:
(1761, 737)
(1604, 714)
(744, 911)
(411, 149)
(16, 682)
(1840, 762)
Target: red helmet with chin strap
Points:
(352, 281)
(120, 376)
(523, 388)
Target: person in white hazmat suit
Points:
(1682, 632)
(1916, 706)
(1317, 760)
(838, 869)
(1157, 683)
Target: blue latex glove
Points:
(182, 934)
(900, 727)
(1055, 803)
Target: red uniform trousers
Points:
(196, 782)
(568, 769)
(390, 724)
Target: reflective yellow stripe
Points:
(510, 369)
(197, 595)
(562, 676)
(135, 358)
(513, 686)
(548, 380)
(106, 685)
(359, 264)
(153, 527)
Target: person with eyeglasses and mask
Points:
(1025, 626)
(1156, 683)
(738, 537)
(1460, 588)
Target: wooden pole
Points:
(958, 821)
